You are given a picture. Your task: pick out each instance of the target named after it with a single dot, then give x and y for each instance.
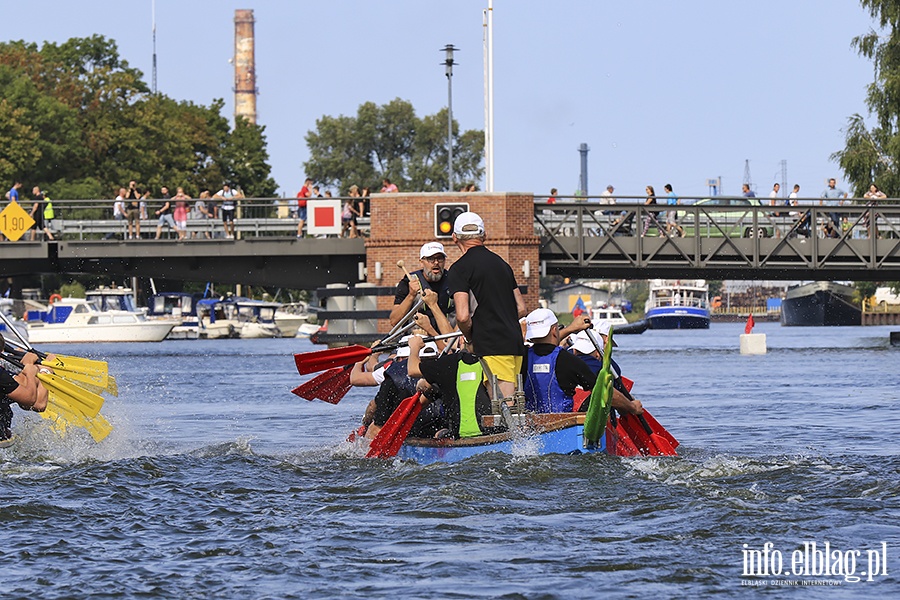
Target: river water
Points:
(219, 483)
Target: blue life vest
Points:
(542, 391)
(405, 384)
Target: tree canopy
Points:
(76, 119)
(872, 151)
(391, 141)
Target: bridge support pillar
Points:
(401, 223)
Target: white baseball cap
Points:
(468, 223)
(603, 328)
(539, 322)
(431, 248)
(582, 343)
(430, 349)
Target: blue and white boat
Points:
(678, 304)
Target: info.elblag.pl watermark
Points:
(813, 560)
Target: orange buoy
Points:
(54, 298)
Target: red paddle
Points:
(388, 441)
(319, 360)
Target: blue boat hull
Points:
(678, 317)
(567, 439)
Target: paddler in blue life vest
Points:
(583, 348)
(552, 374)
(458, 379)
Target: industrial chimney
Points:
(244, 66)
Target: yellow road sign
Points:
(14, 221)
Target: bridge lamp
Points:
(448, 63)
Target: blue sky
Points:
(662, 92)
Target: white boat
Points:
(176, 306)
(114, 298)
(248, 319)
(290, 317)
(307, 329)
(611, 314)
(77, 320)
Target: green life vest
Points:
(48, 208)
(468, 381)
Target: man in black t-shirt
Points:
(434, 276)
(488, 302)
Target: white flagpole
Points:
(490, 138)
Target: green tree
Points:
(872, 151)
(244, 160)
(391, 141)
(76, 119)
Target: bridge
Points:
(728, 238)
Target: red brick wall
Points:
(401, 223)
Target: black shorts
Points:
(227, 215)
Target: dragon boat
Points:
(547, 433)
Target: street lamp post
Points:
(448, 63)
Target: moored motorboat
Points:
(820, 303)
(290, 317)
(77, 320)
(618, 321)
(175, 306)
(678, 304)
(246, 318)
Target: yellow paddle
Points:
(75, 364)
(87, 401)
(63, 415)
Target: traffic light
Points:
(445, 216)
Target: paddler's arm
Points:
(623, 404)
(416, 343)
(463, 316)
(579, 323)
(399, 310)
(431, 301)
(424, 323)
(520, 304)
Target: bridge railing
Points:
(255, 217)
(716, 217)
(722, 237)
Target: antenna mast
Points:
(747, 178)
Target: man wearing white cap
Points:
(551, 374)
(432, 276)
(583, 348)
(487, 301)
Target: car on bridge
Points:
(735, 221)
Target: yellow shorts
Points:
(504, 368)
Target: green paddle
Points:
(601, 397)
